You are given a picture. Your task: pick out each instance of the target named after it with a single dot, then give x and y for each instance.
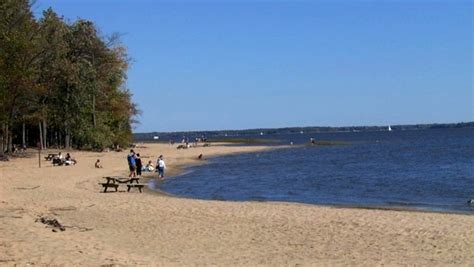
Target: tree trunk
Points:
(67, 139)
(60, 139)
(2, 138)
(23, 136)
(1, 144)
(93, 111)
(8, 143)
(40, 135)
(45, 145)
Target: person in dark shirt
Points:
(132, 166)
(138, 164)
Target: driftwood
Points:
(51, 222)
(58, 226)
(27, 188)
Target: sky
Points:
(215, 65)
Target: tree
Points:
(64, 80)
(18, 55)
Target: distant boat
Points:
(156, 137)
(389, 128)
(301, 132)
(261, 133)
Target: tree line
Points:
(61, 83)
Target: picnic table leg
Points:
(129, 187)
(116, 188)
(105, 189)
(140, 189)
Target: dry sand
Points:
(151, 229)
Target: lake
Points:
(429, 169)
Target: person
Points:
(98, 164)
(149, 167)
(161, 166)
(200, 156)
(138, 163)
(58, 159)
(132, 166)
(69, 160)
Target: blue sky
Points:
(209, 65)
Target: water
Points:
(427, 169)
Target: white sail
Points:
(389, 128)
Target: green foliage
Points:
(64, 75)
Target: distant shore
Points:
(148, 229)
(262, 132)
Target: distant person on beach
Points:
(149, 167)
(138, 164)
(69, 160)
(200, 156)
(132, 166)
(98, 164)
(58, 159)
(161, 166)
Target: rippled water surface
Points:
(426, 169)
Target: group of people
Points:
(187, 144)
(136, 167)
(59, 159)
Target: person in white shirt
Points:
(58, 159)
(161, 166)
(149, 167)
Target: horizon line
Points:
(289, 127)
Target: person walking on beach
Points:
(138, 164)
(132, 165)
(161, 166)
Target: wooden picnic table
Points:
(113, 181)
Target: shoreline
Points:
(152, 229)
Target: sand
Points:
(152, 229)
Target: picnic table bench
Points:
(114, 182)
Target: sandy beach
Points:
(154, 229)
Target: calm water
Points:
(427, 169)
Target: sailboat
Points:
(389, 128)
